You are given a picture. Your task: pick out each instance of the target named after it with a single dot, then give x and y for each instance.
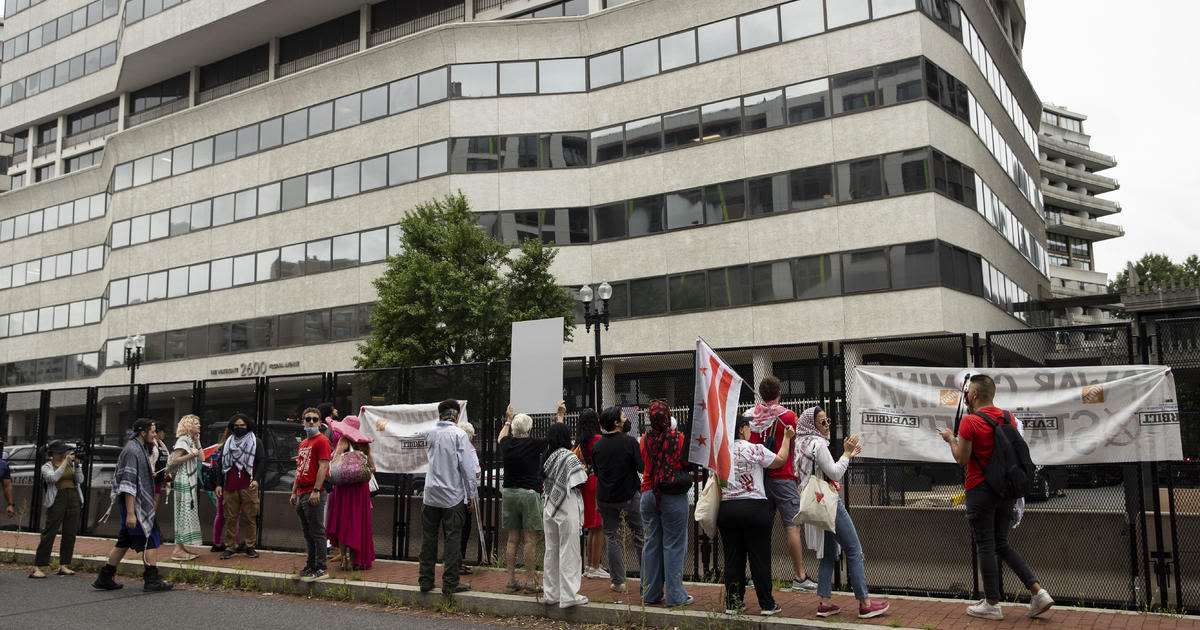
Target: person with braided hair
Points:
(664, 511)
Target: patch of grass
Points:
(384, 598)
(894, 623)
(929, 625)
(444, 604)
(340, 592)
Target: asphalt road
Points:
(71, 602)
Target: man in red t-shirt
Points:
(312, 464)
(768, 426)
(989, 515)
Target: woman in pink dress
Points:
(349, 518)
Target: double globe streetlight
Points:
(593, 318)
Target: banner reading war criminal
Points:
(399, 434)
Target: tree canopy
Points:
(452, 293)
(1157, 268)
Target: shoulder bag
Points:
(818, 500)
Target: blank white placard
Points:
(536, 385)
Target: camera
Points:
(80, 452)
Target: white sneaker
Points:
(984, 610)
(1040, 603)
(597, 573)
(581, 600)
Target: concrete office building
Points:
(1070, 185)
(756, 172)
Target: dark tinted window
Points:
(607, 145)
(900, 81)
(812, 187)
(853, 90)
(645, 215)
(647, 296)
(687, 292)
(859, 180)
(766, 195)
(725, 202)
(817, 276)
(729, 287)
(905, 172)
(474, 154)
(914, 265)
(685, 208)
(681, 128)
(865, 270)
(565, 150)
(771, 281)
(808, 101)
(608, 221)
(643, 136)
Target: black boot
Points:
(153, 583)
(105, 581)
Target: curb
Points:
(499, 604)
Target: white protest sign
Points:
(536, 383)
(1072, 415)
(399, 434)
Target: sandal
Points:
(65, 571)
(37, 574)
(187, 558)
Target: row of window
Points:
(569, 8)
(983, 59)
(53, 266)
(340, 323)
(47, 318)
(983, 127)
(83, 160)
(12, 7)
(792, 20)
(290, 261)
(1006, 223)
(896, 267)
(78, 66)
(53, 217)
(138, 10)
(89, 15)
(1070, 124)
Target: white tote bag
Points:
(818, 501)
(708, 505)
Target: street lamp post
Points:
(133, 357)
(593, 318)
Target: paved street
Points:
(60, 601)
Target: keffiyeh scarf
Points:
(239, 452)
(563, 473)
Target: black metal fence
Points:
(1123, 536)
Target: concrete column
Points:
(58, 143)
(193, 86)
(469, 11)
(608, 384)
(595, 5)
(31, 135)
(364, 25)
(273, 59)
(763, 367)
(122, 108)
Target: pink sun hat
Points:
(348, 427)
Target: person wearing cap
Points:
(133, 494)
(349, 517)
(6, 483)
(312, 465)
(664, 515)
(64, 496)
(452, 477)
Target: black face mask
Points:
(240, 431)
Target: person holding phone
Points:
(64, 497)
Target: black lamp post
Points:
(133, 358)
(594, 318)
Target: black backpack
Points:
(1010, 471)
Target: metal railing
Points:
(155, 113)
(234, 86)
(42, 150)
(456, 13)
(89, 135)
(317, 58)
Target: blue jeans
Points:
(665, 548)
(848, 539)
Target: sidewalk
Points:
(396, 581)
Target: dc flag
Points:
(715, 412)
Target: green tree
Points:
(1156, 268)
(451, 294)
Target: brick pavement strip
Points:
(395, 581)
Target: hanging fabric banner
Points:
(399, 434)
(1071, 415)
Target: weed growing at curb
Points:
(929, 625)
(894, 623)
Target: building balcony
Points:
(1093, 160)
(1079, 202)
(317, 58)
(89, 135)
(154, 113)
(237, 85)
(1089, 229)
(456, 13)
(42, 150)
(1096, 184)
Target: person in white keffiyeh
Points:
(562, 513)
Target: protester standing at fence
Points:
(617, 460)
(664, 513)
(452, 477)
(184, 481)
(744, 519)
(812, 432)
(219, 514)
(768, 422)
(348, 524)
(312, 465)
(988, 513)
(521, 498)
(64, 497)
(468, 523)
(587, 433)
(133, 494)
(242, 467)
(562, 514)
